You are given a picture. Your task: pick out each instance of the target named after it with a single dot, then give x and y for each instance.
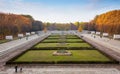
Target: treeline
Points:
(108, 22)
(12, 24)
(60, 26)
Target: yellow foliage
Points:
(109, 22)
(45, 29)
(80, 29)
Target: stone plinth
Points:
(67, 53)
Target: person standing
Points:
(21, 69)
(16, 68)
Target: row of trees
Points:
(67, 26)
(12, 24)
(107, 22)
(60, 26)
(37, 26)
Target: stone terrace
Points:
(105, 45)
(11, 49)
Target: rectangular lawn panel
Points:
(58, 45)
(67, 36)
(53, 37)
(50, 41)
(72, 36)
(58, 40)
(77, 56)
(74, 40)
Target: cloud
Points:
(42, 12)
(48, 13)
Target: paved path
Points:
(11, 49)
(112, 47)
(105, 41)
(57, 70)
(6, 47)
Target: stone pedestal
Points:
(67, 53)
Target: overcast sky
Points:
(63, 11)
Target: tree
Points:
(37, 26)
(12, 24)
(80, 28)
(45, 29)
(108, 22)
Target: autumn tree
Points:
(80, 28)
(108, 22)
(12, 24)
(45, 29)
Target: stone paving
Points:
(105, 41)
(8, 46)
(110, 47)
(56, 70)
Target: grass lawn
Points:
(50, 41)
(75, 40)
(3, 41)
(59, 45)
(72, 36)
(67, 36)
(53, 37)
(77, 55)
(75, 37)
(58, 40)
